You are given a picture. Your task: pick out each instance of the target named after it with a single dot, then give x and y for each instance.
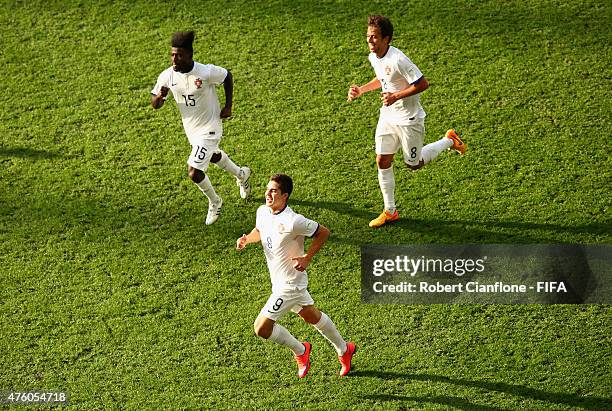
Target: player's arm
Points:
(252, 237)
(415, 88)
(356, 91)
(158, 100)
(318, 240)
(228, 87)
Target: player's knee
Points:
(383, 164)
(311, 315)
(215, 158)
(196, 175)
(384, 161)
(261, 331)
(414, 167)
(262, 328)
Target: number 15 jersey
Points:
(196, 97)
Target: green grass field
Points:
(114, 291)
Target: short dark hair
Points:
(183, 39)
(284, 182)
(383, 23)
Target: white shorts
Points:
(410, 137)
(201, 152)
(282, 302)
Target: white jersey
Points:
(196, 97)
(282, 237)
(396, 72)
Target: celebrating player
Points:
(402, 119)
(282, 232)
(193, 87)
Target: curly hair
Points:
(383, 23)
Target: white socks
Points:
(206, 187)
(433, 150)
(328, 330)
(281, 336)
(386, 180)
(325, 326)
(386, 177)
(228, 165)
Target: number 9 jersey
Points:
(282, 237)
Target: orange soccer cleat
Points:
(458, 145)
(384, 218)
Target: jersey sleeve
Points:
(371, 58)
(304, 226)
(408, 70)
(163, 80)
(216, 74)
(259, 218)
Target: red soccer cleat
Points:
(345, 359)
(303, 361)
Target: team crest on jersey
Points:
(387, 70)
(281, 228)
(198, 82)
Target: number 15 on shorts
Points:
(198, 153)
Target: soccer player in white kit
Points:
(402, 119)
(193, 86)
(282, 232)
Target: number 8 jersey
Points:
(282, 237)
(196, 97)
(396, 72)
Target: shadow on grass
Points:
(462, 231)
(487, 231)
(454, 402)
(338, 207)
(23, 152)
(146, 217)
(573, 400)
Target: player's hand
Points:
(241, 242)
(353, 93)
(226, 112)
(388, 98)
(301, 262)
(164, 91)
